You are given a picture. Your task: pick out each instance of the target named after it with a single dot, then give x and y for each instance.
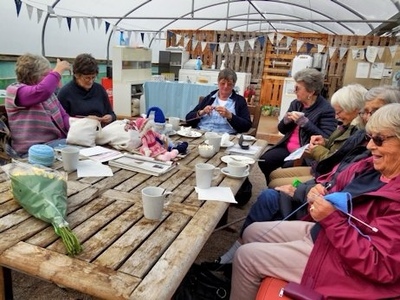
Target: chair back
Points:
(255, 113)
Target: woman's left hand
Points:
(106, 119)
(319, 207)
(223, 112)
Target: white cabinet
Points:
(211, 77)
(171, 61)
(131, 68)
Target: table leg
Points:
(6, 292)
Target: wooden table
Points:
(125, 256)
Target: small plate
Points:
(247, 137)
(227, 145)
(226, 172)
(193, 134)
(245, 159)
(172, 132)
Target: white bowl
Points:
(206, 151)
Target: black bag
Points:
(244, 193)
(201, 284)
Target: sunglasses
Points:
(379, 139)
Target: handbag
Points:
(83, 131)
(201, 284)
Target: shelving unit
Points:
(131, 68)
(171, 61)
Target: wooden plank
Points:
(71, 272)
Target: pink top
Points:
(294, 140)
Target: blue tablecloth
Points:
(175, 99)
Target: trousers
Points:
(275, 249)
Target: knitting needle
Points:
(374, 229)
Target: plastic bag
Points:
(42, 192)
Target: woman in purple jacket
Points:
(338, 255)
(34, 113)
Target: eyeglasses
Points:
(379, 139)
(226, 82)
(367, 113)
(339, 112)
(88, 77)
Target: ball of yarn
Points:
(41, 155)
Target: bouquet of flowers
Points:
(42, 192)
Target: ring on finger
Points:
(312, 208)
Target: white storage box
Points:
(301, 62)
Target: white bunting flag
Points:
(289, 41)
(331, 51)
(271, 37)
(252, 42)
(222, 46)
(393, 50)
(342, 52)
(92, 20)
(371, 53)
(299, 44)
(30, 10)
(203, 46)
(232, 46)
(320, 48)
(381, 50)
(241, 45)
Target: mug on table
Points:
(205, 174)
(237, 168)
(69, 156)
(175, 122)
(153, 198)
(213, 139)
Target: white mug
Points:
(205, 174)
(174, 121)
(214, 139)
(69, 157)
(237, 168)
(153, 202)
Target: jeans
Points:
(266, 208)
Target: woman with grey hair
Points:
(309, 114)
(223, 110)
(34, 113)
(347, 103)
(349, 250)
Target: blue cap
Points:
(158, 114)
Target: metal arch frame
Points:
(45, 25)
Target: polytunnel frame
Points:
(263, 18)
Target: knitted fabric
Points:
(41, 155)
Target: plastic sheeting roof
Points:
(152, 17)
(343, 17)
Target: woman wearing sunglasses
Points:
(339, 254)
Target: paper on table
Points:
(90, 168)
(251, 151)
(101, 154)
(217, 193)
(297, 153)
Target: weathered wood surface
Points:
(125, 256)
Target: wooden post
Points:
(6, 292)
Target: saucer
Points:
(245, 159)
(192, 134)
(226, 172)
(227, 145)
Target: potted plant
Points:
(266, 110)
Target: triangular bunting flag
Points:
(78, 22)
(381, 50)
(185, 42)
(69, 23)
(59, 19)
(309, 46)
(30, 10)
(393, 50)
(299, 45)
(92, 20)
(251, 43)
(178, 39)
(203, 46)
(279, 37)
(99, 21)
(50, 10)
(148, 37)
(271, 37)
(331, 51)
(231, 46)
(241, 45)
(129, 41)
(212, 46)
(170, 34)
(107, 25)
(261, 40)
(222, 47)
(18, 4)
(39, 13)
(136, 37)
(289, 41)
(371, 53)
(342, 52)
(142, 37)
(320, 48)
(85, 23)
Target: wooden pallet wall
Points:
(271, 63)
